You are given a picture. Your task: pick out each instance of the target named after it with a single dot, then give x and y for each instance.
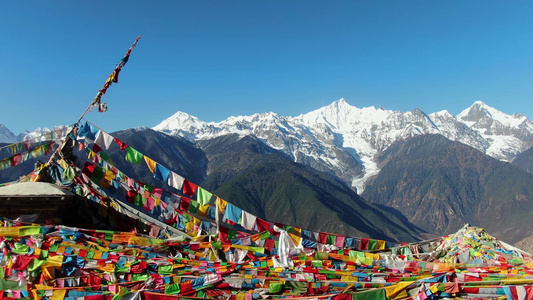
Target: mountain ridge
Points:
(344, 140)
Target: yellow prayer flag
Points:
(54, 261)
(106, 267)
(221, 205)
(150, 163)
(139, 240)
(296, 239)
(398, 291)
(196, 221)
(9, 231)
(97, 255)
(203, 210)
(58, 295)
(380, 245)
(62, 163)
(240, 296)
(297, 231)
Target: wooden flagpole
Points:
(113, 77)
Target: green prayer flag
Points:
(69, 173)
(97, 175)
(298, 287)
(165, 270)
(20, 249)
(317, 263)
(134, 156)
(232, 234)
(366, 260)
(217, 245)
(354, 253)
(377, 294)
(36, 264)
(172, 289)
(139, 200)
(203, 196)
(193, 207)
(258, 249)
(275, 287)
(143, 277)
(264, 235)
(331, 239)
(287, 228)
(103, 155)
(372, 244)
(10, 285)
(122, 292)
(322, 255)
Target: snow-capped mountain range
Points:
(345, 140)
(6, 136)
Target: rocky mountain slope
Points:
(440, 185)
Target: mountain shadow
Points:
(440, 185)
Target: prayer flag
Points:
(175, 181)
(161, 173)
(203, 196)
(134, 156)
(189, 188)
(150, 163)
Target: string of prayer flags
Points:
(232, 214)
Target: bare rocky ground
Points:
(525, 244)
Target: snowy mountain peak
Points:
(177, 121)
(475, 113)
(489, 119)
(6, 136)
(441, 114)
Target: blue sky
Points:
(215, 59)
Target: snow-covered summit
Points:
(6, 136)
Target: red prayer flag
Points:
(262, 225)
(322, 238)
(364, 244)
(121, 144)
(184, 203)
(189, 188)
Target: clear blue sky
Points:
(215, 59)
